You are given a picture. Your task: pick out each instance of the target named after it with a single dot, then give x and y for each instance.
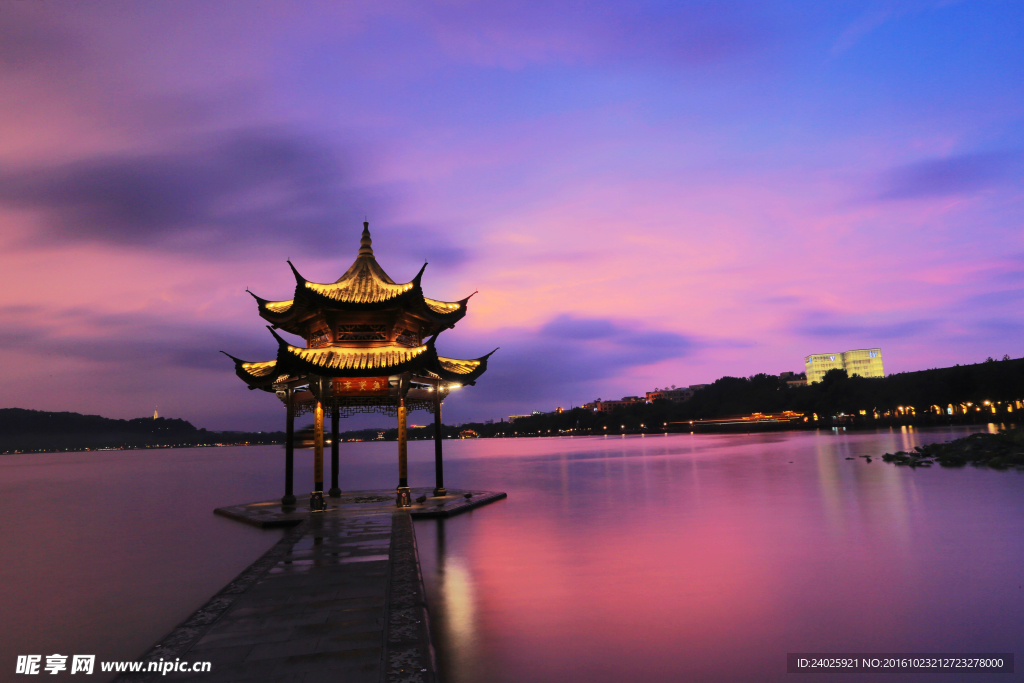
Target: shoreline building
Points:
(600, 406)
(863, 362)
(369, 348)
(793, 379)
(675, 394)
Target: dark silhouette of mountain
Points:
(24, 430)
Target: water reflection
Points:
(104, 553)
(654, 558)
(686, 557)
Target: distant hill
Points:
(24, 430)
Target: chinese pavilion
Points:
(369, 347)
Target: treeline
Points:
(414, 433)
(997, 382)
(37, 430)
(837, 393)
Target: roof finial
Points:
(365, 243)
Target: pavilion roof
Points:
(295, 362)
(364, 287)
(333, 361)
(260, 375)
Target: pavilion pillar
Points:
(316, 498)
(439, 489)
(335, 491)
(289, 448)
(404, 498)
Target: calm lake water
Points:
(675, 558)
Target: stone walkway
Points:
(339, 598)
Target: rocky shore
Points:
(1002, 450)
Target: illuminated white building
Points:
(863, 362)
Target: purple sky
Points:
(644, 194)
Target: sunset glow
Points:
(643, 195)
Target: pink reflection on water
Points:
(106, 552)
(710, 557)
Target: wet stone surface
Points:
(408, 656)
(317, 611)
(339, 598)
(272, 514)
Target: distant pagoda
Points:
(369, 348)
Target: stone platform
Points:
(339, 598)
(272, 514)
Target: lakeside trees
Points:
(916, 393)
(24, 430)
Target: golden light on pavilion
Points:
(369, 348)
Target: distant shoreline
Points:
(751, 429)
(38, 431)
(151, 447)
(697, 427)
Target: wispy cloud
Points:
(214, 197)
(567, 357)
(681, 33)
(126, 343)
(28, 45)
(854, 330)
(953, 175)
(860, 27)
